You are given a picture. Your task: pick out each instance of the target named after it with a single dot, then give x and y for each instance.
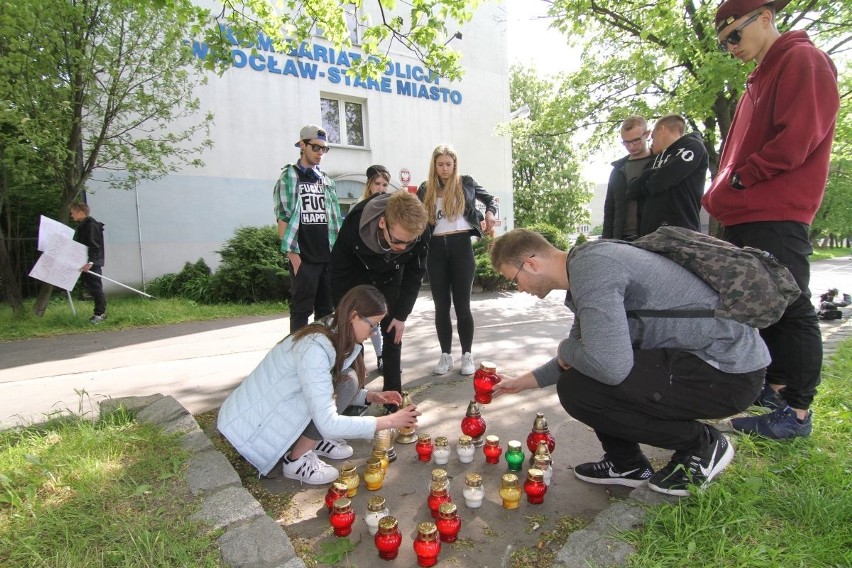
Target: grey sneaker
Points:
(685, 470)
(98, 319)
(444, 365)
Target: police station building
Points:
(259, 106)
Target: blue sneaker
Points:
(779, 424)
(769, 398)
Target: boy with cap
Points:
(772, 176)
(309, 218)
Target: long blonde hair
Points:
(453, 193)
(373, 173)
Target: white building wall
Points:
(165, 223)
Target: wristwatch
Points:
(735, 182)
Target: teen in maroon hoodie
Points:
(771, 180)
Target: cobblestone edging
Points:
(251, 539)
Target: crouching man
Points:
(637, 380)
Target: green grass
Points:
(122, 313)
(826, 253)
(78, 493)
(783, 503)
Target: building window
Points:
(343, 120)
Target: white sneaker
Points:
(444, 365)
(467, 366)
(334, 449)
(310, 469)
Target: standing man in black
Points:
(621, 217)
(384, 242)
(91, 233)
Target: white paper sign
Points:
(62, 256)
(48, 228)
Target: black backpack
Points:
(754, 288)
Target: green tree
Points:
(545, 173)
(661, 57)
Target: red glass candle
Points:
(448, 523)
(426, 545)
(540, 432)
(342, 517)
(492, 449)
(336, 491)
(535, 487)
(424, 447)
(388, 539)
(472, 424)
(438, 494)
(483, 382)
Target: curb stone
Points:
(251, 539)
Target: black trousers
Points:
(391, 352)
(95, 287)
(310, 292)
(794, 341)
(451, 269)
(659, 403)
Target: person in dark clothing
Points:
(669, 191)
(771, 180)
(91, 233)
(621, 218)
(384, 241)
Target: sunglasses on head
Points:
(735, 36)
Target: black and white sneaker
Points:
(685, 470)
(309, 469)
(604, 472)
(334, 449)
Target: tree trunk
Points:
(11, 284)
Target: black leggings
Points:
(451, 269)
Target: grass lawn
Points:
(82, 493)
(826, 253)
(122, 313)
(778, 504)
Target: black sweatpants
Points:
(310, 292)
(794, 341)
(658, 403)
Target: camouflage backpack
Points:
(754, 288)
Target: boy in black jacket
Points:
(384, 241)
(91, 233)
(670, 191)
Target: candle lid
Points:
(442, 441)
(388, 524)
(447, 510)
(376, 503)
(374, 463)
(540, 424)
(492, 440)
(424, 438)
(509, 479)
(348, 468)
(339, 487)
(535, 474)
(342, 505)
(473, 480)
(514, 445)
(541, 462)
(438, 487)
(473, 409)
(427, 530)
(439, 474)
(465, 440)
(487, 366)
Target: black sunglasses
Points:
(735, 36)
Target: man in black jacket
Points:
(669, 191)
(621, 218)
(384, 242)
(91, 233)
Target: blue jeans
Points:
(794, 341)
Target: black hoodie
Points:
(670, 191)
(91, 233)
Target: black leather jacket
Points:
(472, 192)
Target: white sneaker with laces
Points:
(444, 365)
(310, 469)
(467, 366)
(334, 449)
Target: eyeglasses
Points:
(633, 142)
(394, 241)
(514, 281)
(373, 326)
(735, 36)
(317, 148)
